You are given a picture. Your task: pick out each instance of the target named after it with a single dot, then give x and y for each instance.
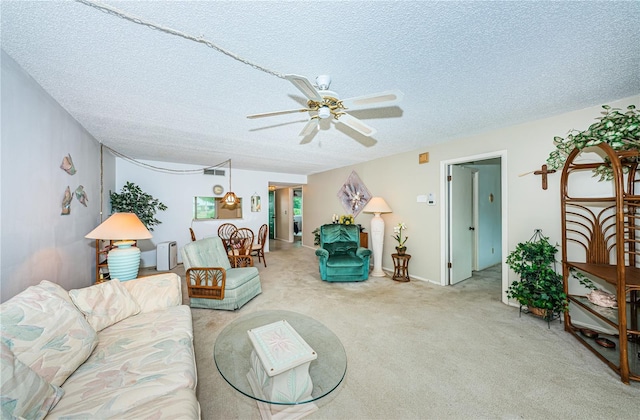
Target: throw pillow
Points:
(24, 393)
(104, 304)
(56, 289)
(156, 292)
(46, 333)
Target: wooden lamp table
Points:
(400, 267)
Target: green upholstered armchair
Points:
(211, 280)
(340, 255)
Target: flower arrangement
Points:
(398, 234)
(347, 219)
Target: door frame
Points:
(444, 211)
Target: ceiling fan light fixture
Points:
(324, 112)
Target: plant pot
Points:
(401, 250)
(537, 311)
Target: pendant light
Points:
(230, 199)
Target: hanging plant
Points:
(133, 200)
(619, 130)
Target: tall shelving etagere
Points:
(605, 229)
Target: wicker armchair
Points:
(225, 231)
(240, 243)
(212, 282)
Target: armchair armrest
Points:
(363, 252)
(206, 282)
(322, 253)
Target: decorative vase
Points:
(124, 261)
(401, 250)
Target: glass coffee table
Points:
(233, 351)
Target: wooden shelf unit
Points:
(605, 230)
(102, 249)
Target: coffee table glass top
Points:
(232, 352)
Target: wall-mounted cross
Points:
(544, 171)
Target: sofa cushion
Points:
(56, 289)
(137, 360)
(238, 276)
(46, 333)
(156, 292)
(25, 394)
(344, 261)
(341, 247)
(105, 304)
(181, 404)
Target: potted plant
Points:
(401, 249)
(540, 287)
(133, 200)
(619, 130)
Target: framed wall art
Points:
(255, 203)
(354, 195)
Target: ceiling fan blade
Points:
(271, 114)
(311, 126)
(304, 85)
(357, 125)
(374, 100)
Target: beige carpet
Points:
(421, 351)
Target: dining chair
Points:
(258, 248)
(241, 242)
(224, 232)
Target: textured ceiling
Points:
(464, 67)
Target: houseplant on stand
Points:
(540, 287)
(400, 248)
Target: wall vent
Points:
(214, 172)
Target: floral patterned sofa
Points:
(113, 350)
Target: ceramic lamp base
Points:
(124, 261)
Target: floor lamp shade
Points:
(124, 260)
(377, 205)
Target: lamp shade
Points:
(120, 226)
(377, 205)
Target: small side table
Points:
(401, 267)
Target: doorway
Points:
(474, 231)
(297, 214)
(272, 214)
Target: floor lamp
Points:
(123, 260)
(377, 205)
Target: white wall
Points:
(400, 179)
(177, 192)
(37, 242)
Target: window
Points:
(214, 208)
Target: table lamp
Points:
(124, 260)
(377, 205)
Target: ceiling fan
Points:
(323, 103)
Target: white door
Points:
(461, 217)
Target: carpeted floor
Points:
(421, 351)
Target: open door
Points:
(272, 215)
(461, 222)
